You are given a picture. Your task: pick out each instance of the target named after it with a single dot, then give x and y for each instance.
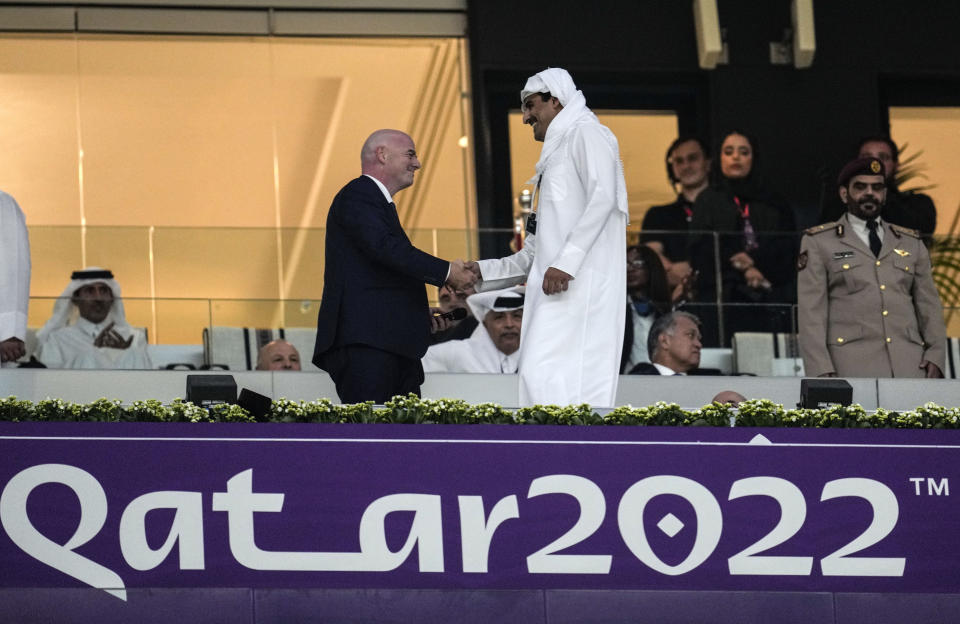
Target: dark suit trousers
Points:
(363, 373)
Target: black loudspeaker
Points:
(817, 393)
(257, 404)
(207, 390)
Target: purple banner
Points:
(120, 506)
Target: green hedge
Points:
(414, 410)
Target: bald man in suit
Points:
(374, 322)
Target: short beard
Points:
(857, 209)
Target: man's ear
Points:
(663, 341)
(844, 194)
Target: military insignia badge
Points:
(875, 166)
(903, 253)
(837, 255)
(801, 261)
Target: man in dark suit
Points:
(374, 322)
(673, 344)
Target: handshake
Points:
(463, 276)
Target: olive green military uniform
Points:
(866, 316)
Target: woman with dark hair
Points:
(648, 297)
(755, 234)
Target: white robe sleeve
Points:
(14, 270)
(50, 352)
(596, 166)
(509, 271)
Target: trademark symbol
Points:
(935, 487)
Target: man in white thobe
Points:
(89, 329)
(14, 280)
(574, 255)
(493, 347)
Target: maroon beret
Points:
(860, 166)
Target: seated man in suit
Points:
(89, 328)
(278, 355)
(494, 346)
(673, 344)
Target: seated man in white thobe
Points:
(14, 280)
(89, 329)
(494, 346)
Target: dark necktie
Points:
(874, 237)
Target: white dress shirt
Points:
(862, 231)
(664, 370)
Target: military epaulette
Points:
(899, 229)
(823, 227)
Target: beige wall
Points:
(643, 137)
(934, 131)
(202, 167)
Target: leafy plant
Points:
(910, 168)
(414, 410)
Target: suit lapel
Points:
(389, 208)
(395, 220)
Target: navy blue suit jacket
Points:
(373, 290)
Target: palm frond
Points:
(910, 168)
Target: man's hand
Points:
(439, 323)
(755, 279)
(109, 338)
(686, 290)
(676, 271)
(933, 371)
(555, 281)
(474, 268)
(11, 350)
(741, 261)
(461, 278)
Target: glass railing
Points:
(288, 263)
(737, 338)
(178, 282)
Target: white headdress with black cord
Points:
(65, 312)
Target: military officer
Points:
(867, 303)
